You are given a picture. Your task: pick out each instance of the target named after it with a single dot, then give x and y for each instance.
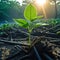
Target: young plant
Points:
(5, 26)
(30, 15)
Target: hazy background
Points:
(10, 9)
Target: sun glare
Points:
(40, 2)
(20, 1)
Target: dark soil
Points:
(45, 44)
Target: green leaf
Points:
(39, 17)
(30, 12)
(41, 24)
(21, 22)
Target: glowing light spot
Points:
(20, 1)
(40, 2)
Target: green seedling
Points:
(53, 22)
(5, 27)
(29, 23)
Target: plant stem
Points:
(29, 35)
(29, 40)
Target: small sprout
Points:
(30, 15)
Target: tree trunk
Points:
(55, 9)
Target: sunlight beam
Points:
(40, 2)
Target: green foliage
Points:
(29, 23)
(40, 17)
(10, 9)
(30, 12)
(41, 24)
(51, 22)
(6, 26)
(21, 22)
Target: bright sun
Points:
(40, 2)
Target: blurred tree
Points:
(10, 9)
(56, 2)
